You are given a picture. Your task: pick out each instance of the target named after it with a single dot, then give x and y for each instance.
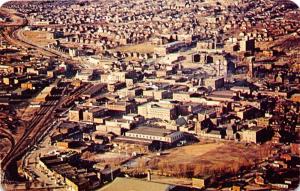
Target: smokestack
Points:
(219, 68)
(149, 175)
(215, 42)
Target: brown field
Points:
(212, 158)
(188, 154)
(38, 37)
(141, 48)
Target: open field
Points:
(188, 154)
(38, 37)
(212, 158)
(141, 48)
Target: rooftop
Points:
(151, 131)
(131, 184)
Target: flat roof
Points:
(152, 131)
(255, 128)
(132, 184)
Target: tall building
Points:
(247, 44)
(251, 67)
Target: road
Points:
(13, 33)
(17, 20)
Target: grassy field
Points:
(38, 37)
(141, 48)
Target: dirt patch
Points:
(41, 38)
(188, 154)
(141, 48)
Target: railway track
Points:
(41, 123)
(44, 118)
(28, 139)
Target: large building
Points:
(132, 184)
(155, 134)
(254, 135)
(158, 110)
(85, 75)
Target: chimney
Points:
(215, 42)
(149, 175)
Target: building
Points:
(247, 44)
(157, 94)
(248, 113)
(169, 48)
(85, 75)
(254, 135)
(201, 182)
(124, 107)
(214, 83)
(74, 178)
(75, 114)
(295, 97)
(94, 90)
(158, 110)
(113, 77)
(90, 114)
(43, 95)
(155, 134)
(135, 145)
(122, 184)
